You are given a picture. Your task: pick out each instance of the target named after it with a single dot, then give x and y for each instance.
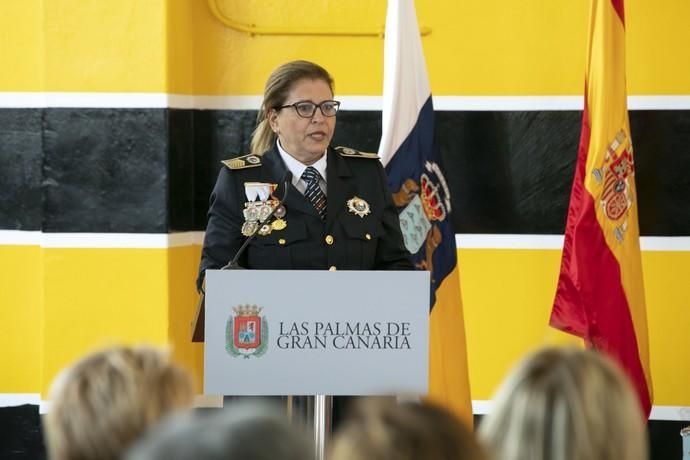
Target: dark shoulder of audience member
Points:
(405, 431)
(245, 431)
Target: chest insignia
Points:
(358, 206)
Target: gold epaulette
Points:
(352, 153)
(243, 162)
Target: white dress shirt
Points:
(297, 168)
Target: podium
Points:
(316, 333)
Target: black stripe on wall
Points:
(105, 170)
(21, 433)
(21, 158)
(152, 170)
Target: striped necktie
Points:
(313, 192)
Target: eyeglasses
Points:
(307, 109)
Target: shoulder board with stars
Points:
(243, 162)
(352, 153)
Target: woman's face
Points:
(306, 139)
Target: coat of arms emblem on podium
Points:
(246, 333)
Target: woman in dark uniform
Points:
(338, 212)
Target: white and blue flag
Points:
(411, 157)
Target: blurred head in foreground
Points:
(406, 431)
(108, 399)
(246, 431)
(565, 404)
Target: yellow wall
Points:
(21, 35)
(665, 278)
(477, 47)
(95, 45)
(507, 296)
(21, 319)
(99, 297)
(180, 47)
(183, 263)
(57, 304)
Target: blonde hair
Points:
(278, 86)
(407, 431)
(566, 404)
(108, 399)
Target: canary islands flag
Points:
(411, 157)
(600, 293)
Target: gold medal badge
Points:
(358, 206)
(278, 224)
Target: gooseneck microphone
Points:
(233, 265)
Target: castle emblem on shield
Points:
(246, 333)
(614, 176)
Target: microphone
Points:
(233, 265)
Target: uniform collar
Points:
(340, 184)
(273, 170)
(297, 168)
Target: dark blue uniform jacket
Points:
(345, 241)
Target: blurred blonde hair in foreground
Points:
(108, 399)
(565, 404)
(408, 431)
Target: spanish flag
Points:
(413, 164)
(600, 293)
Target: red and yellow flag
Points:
(600, 293)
